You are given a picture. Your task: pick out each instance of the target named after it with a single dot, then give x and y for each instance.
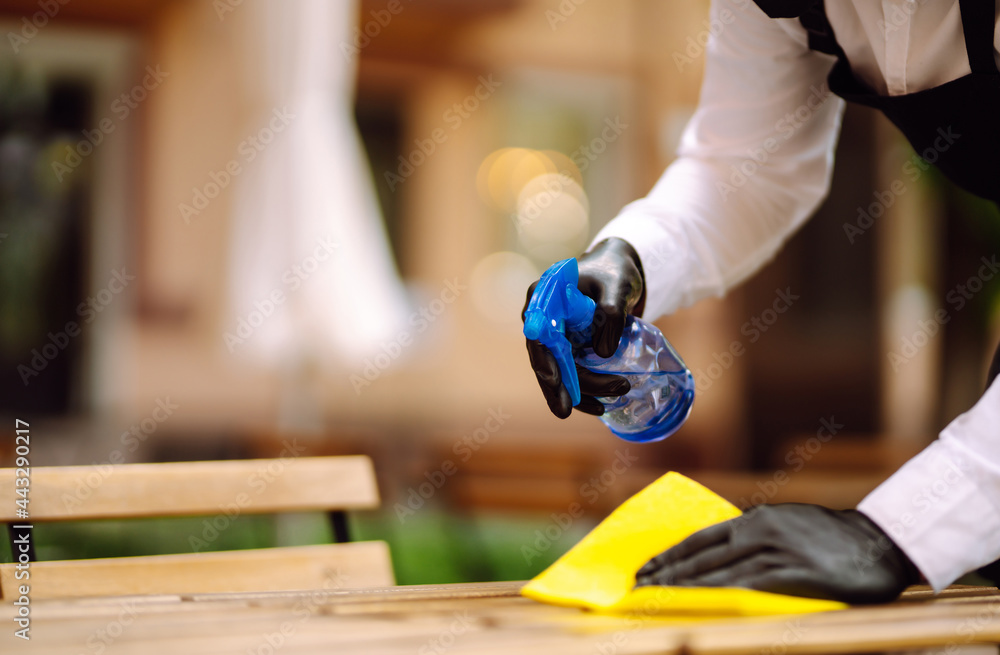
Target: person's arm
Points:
(938, 516)
(942, 508)
(754, 162)
(703, 229)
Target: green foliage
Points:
(430, 547)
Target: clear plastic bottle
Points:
(662, 391)
(662, 388)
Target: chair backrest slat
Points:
(193, 488)
(330, 567)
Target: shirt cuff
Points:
(942, 508)
(663, 251)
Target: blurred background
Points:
(240, 229)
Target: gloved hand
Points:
(610, 274)
(792, 548)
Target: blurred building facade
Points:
(464, 108)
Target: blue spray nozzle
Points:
(558, 306)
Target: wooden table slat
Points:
(483, 618)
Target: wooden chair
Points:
(218, 489)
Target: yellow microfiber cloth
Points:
(599, 572)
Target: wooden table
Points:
(480, 618)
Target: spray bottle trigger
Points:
(555, 305)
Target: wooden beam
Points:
(194, 488)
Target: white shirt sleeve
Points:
(942, 508)
(753, 164)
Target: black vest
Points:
(955, 126)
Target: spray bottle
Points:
(560, 317)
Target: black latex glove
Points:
(796, 549)
(610, 274)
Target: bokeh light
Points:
(541, 192)
(498, 285)
(552, 218)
